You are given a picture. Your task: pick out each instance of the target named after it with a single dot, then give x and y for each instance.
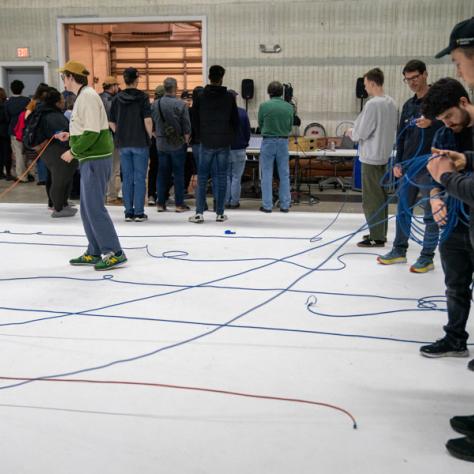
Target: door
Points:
(30, 76)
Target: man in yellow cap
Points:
(111, 88)
(91, 144)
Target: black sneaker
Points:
(463, 425)
(470, 365)
(128, 217)
(140, 218)
(282, 209)
(371, 243)
(267, 211)
(444, 348)
(461, 448)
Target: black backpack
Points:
(31, 138)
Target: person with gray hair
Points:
(275, 119)
(173, 130)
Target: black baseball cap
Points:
(462, 36)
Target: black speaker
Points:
(247, 89)
(361, 93)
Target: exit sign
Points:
(22, 52)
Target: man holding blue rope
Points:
(449, 101)
(443, 167)
(415, 134)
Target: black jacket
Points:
(129, 109)
(409, 135)
(14, 106)
(461, 186)
(215, 117)
(52, 121)
(3, 121)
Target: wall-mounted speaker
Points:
(361, 93)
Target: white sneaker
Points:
(221, 218)
(196, 219)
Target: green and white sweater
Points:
(90, 137)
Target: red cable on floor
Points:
(182, 387)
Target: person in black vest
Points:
(215, 123)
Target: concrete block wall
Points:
(325, 45)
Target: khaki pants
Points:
(114, 181)
(18, 157)
(374, 196)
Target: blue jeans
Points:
(275, 149)
(134, 165)
(430, 236)
(41, 170)
(235, 171)
(98, 225)
(171, 163)
(212, 159)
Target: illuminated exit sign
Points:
(22, 52)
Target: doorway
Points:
(30, 74)
(158, 49)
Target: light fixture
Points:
(276, 48)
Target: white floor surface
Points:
(402, 402)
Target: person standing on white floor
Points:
(92, 145)
(275, 119)
(111, 88)
(237, 159)
(14, 106)
(130, 120)
(375, 129)
(443, 168)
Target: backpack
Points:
(30, 137)
(20, 126)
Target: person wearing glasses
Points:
(91, 144)
(415, 135)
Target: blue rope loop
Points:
(423, 304)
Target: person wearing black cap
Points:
(130, 119)
(443, 168)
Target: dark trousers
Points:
(171, 163)
(212, 162)
(5, 156)
(62, 174)
(189, 168)
(98, 225)
(457, 258)
(153, 170)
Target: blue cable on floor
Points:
(342, 241)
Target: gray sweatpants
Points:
(374, 195)
(98, 225)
